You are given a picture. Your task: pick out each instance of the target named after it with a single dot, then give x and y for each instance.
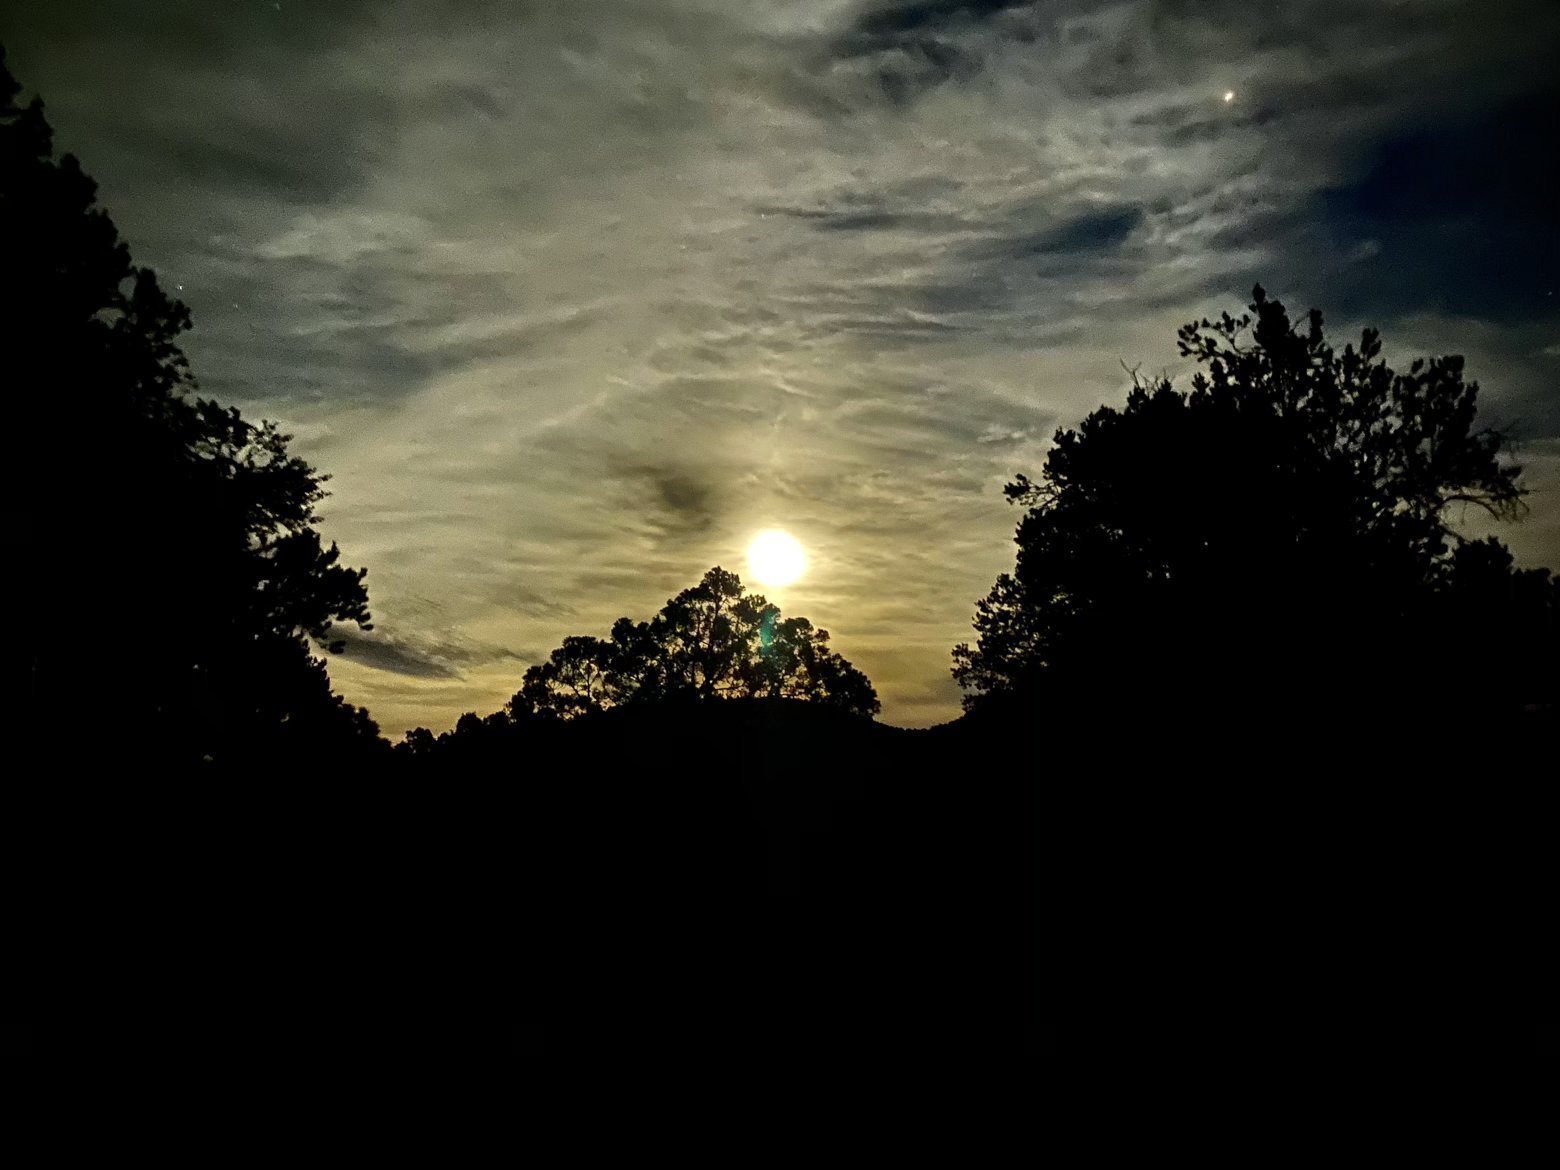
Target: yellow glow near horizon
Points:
(775, 558)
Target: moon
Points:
(775, 558)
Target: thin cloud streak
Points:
(570, 303)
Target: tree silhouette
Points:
(711, 641)
(169, 540)
(1281, 523)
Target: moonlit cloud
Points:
(571, 299)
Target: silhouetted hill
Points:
(766, 892)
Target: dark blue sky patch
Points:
(894, 22)
(919, 45)
(1097, 231)
(1503, 164)
(1016, 268)
(1462, 218)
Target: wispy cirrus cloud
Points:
(571, 298)
(420, 655)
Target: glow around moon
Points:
(775, 558)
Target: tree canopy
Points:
(1286, 517)
(171, 543)
(714, 640)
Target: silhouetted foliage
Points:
(170, 542)
(711, 641)
(1278, 533)
(770, 890)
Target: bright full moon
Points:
(775, 558)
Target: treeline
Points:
(1274, 544)
(1274, 539)
(712, 641)
(1277, 538)
(172, 574)
(1247, 780)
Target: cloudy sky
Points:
(571, 298)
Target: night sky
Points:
(571, 299)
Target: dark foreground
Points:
(764, 899)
